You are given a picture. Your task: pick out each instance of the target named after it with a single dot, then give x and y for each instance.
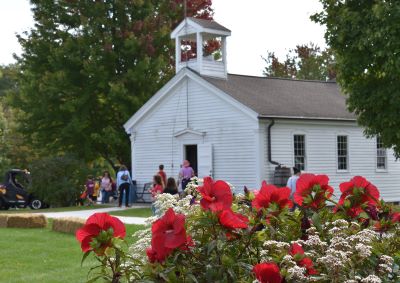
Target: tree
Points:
(58, 180)
(305, 62)
(87, 66)
(15, 152)
(365, 38)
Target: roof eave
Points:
(261, 117)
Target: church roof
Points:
(209, 24)
(286, 98)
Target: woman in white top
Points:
(124, 182)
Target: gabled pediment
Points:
(190, 132)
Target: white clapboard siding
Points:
(228, 131)
(321, 154)
(213, 68)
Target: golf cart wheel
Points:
(3, 205)
(36, 204)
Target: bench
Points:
(145, 192)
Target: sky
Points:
(257, 26)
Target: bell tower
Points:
(201, 46)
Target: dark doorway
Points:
(191, 155)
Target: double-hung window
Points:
(299, 146)
(381, 159)
(342, 153)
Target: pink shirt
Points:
(187, 172)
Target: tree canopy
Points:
(87, 66)
(365, 38)
(15, 152)
(305, 62)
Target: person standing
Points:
(90, 184)
(124, 181)
(186, 174)
(106, 187)
(162, 174)
(291, 184)
(96, 192)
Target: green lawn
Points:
(54, 209)
(41, 255)
(133, 212)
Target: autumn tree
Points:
(306, 62)
(87, 66)
(365, 37)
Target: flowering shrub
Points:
(211, 235)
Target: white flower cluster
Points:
(314, 242)
(385, 265)
(335, 259)
(362, 242)
(180, 205)
(371, 279)
(275, 245)
(297, 273)
(191, 187)
(138, 249)
(271, 247)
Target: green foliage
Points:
(15, 152)
(4, 160)
(59, 180)
(305, 62)
(87, 66)
(365, 38)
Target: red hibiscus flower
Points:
(267, 273)
(356, 194)
(94, 226)
(395, 216)
(269, 196)
(312, 191)
(387, 222)
(168, 233)
(297, 252)
(216, 196)
(232, 220)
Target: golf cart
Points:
(13, 194)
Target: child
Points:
(157, 189)
(161, 172)
(82, 197)
(90, 184)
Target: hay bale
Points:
(3, 220)
(67, 224)
(29, 220)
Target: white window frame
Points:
(305, 150)
(347, 153)
(376, 158)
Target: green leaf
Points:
(192, 277)
(85, 255)
(316, 221)
(211, 246)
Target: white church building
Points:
(239, 128)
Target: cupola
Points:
(201, 46)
